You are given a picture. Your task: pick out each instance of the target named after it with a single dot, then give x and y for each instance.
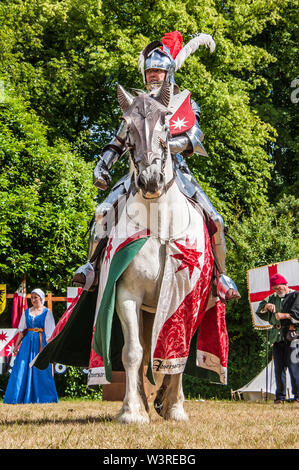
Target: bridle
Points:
(131, 148)
(126, 101)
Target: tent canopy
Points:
(263, 384)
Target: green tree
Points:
(68, 56)
(46, 201)
(276, 98)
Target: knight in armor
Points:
(158, 62)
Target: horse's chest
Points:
(146, 269)
(149, 262)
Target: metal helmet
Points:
(161, 59)
(157, 55)
(169, 54)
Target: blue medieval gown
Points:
(28, 384)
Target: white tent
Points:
(263, 385)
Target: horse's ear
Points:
(125, 99)
(164, 94)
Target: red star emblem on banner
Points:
(189, 256)
(3, 336)
(108, 250)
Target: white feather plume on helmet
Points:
(200, 40)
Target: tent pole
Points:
(267, 353)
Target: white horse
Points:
(165, 214)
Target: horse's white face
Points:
(148, 131)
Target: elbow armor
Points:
(195, 134)
(179, 144)
(189, 142)
(111, 153)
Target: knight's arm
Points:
(110, 155)
(294, 311)
(190, 142)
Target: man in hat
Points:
(158, 62)
(281, 309)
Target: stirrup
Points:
(79, 279)
(227, 289)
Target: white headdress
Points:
(40, 293)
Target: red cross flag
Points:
(73, 293)
(258, 281)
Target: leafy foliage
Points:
(46, 203)
(67, 65)
(74, 381)
(277, 99)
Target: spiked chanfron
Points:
(125, 99)
(164, 94)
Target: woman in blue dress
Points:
(28, 384)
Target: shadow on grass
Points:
(45, 421)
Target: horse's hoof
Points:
(176, 414)
(132, 418)
(158, 405)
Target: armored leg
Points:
(226, 288)
(85, 275)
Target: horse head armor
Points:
(147, 136)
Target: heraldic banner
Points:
(8, 337)
(258, 280)
(2, 297)
(19, 304)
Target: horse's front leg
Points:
(133, 410)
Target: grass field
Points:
(212, 424)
